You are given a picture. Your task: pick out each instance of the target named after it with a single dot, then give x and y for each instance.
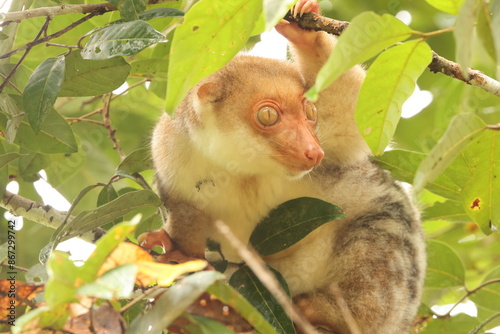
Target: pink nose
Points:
(314, 155)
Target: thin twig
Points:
(438, 65)
(469, 292)
(10, 83)
(344, 309)
(54, 35)
(107, 124)
(62, 10)
(40, 32)
(259, 268)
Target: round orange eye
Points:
(311, 111)
(267, 116)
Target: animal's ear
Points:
(211, 92)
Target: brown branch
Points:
(311, 21)
(62, 10)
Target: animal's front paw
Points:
(292, 31)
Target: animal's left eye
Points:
(267, 116)
(311, 111)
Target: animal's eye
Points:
(311, 111)
(267, 116)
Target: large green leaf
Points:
(123, 39)
(93, 77)
(129, 9)
(460, 323)
(88, 220)
(30, 164)
(55, 136)
(463, 128)
(228, 295)
(136, 162)
(449, 210)
(448, 6)
(389, 82)
(482, 193)
(367, 35)
(212, 32)
(403, 166)
(42, 90)
(247, 284)
(463, 34)
(115, 283)
(290, 222)
(173, 302)
(62, 284)
(444, 268)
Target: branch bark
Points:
(43, 214)
(62, 10)
(311, 21)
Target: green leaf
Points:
(248, 285)
(123, 39)
(463, 33)
(156, 13)
(62, 284)
(449, 210)
(480, 195)
(150, 68)
(14, 114)
(55, 136)
(136, 162)
(129, 9)
(367, 35)
(212, 32)
(107, 194)
(44, 317)
(444, 267)
(389, 82)
(495, 30)
(489, 295)
(92, 77)
(105, 245)
(290, 222)
(30, 164)
(447, 6)
(115, 283)
(484, 30)
(462, 129)
(228, 295)
(460, 323)
(88, 220)
(173, 302)
(42, 89)
(275, 10)
(7, 158)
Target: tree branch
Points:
(63, 9)
(311, 21)
(42, 214)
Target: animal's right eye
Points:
(267, 116)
